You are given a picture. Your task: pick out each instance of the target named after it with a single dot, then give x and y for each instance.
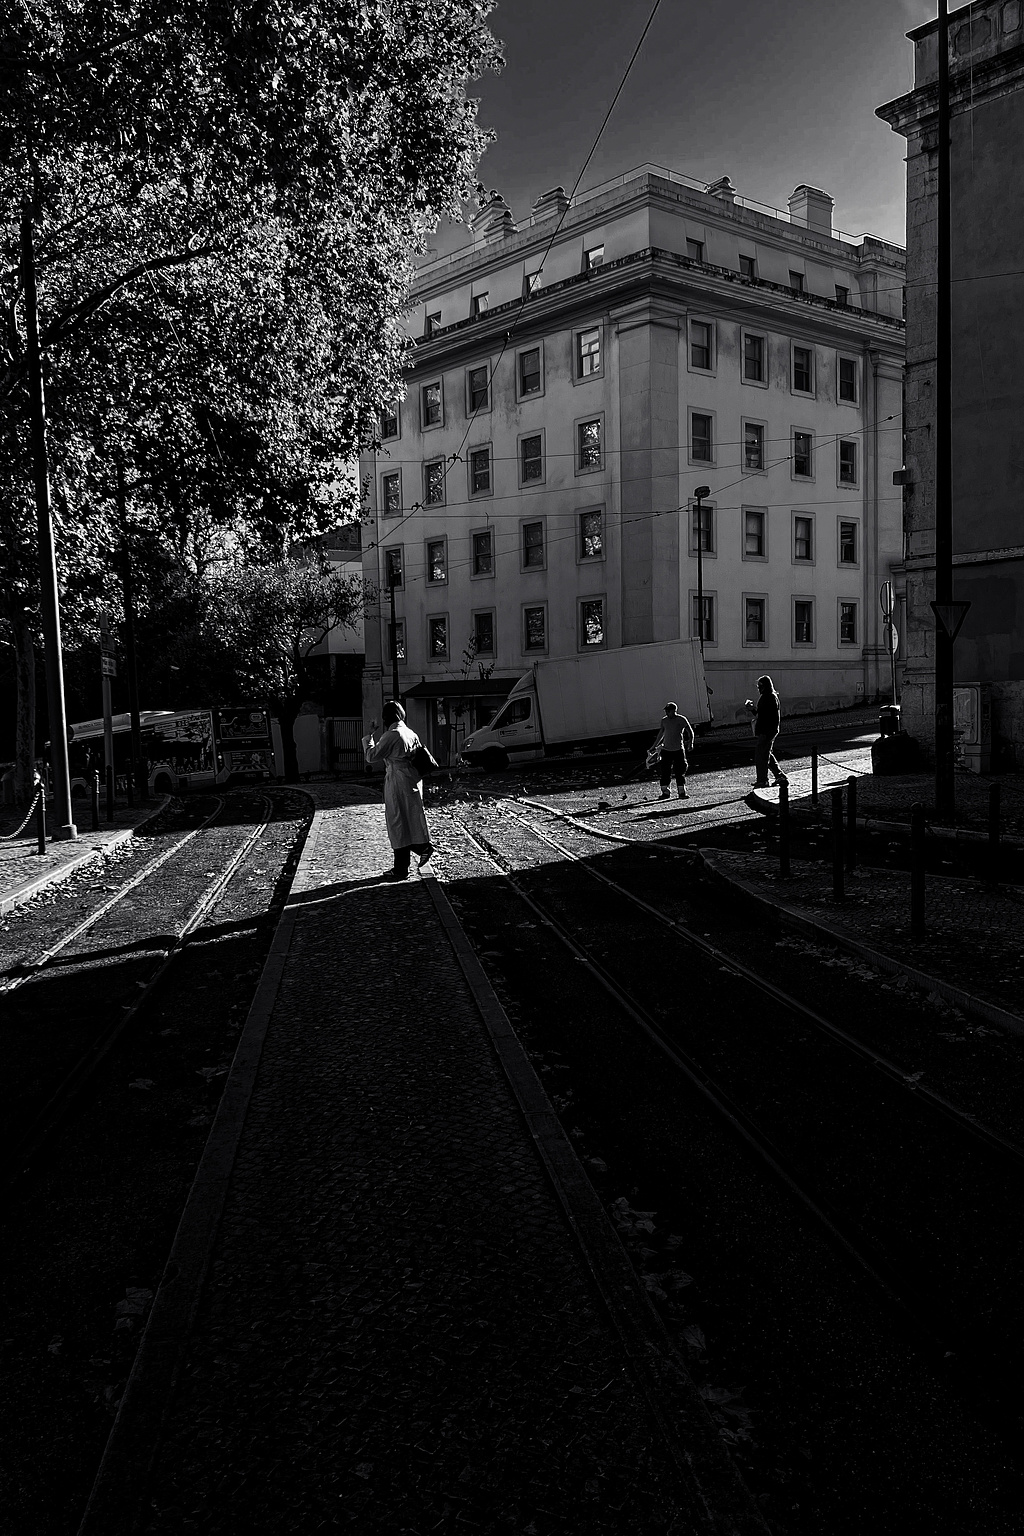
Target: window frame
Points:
(577, 335)
(701, 251)
(800, 286)
(592, 597)
(811, 392)
(847, 602)
(753, 421)
(532, 281)
(709, 594)
(532, 650)
(474, 574)
(479, 448)
(589, 265)
(841, 288)
(806, 645)
(711, 416)
(432, 323)
(427, 501)
(841, 484)
(711, 509)
(542, 564)
(581, 558)
(390, 474)
(754, 597)
(523, 437)
(854, 523)
(480, 410)
(434, 618)
(533, 394)
(392, 549)
(430, 580)
(583, 421)
(400, 628)
(391, 437)
(761, 512)
(793, 472)
(848, 357)
(425, 425)
(794, 559)
(478, 304)
(477, 613)
(762, 337)
(750, 276)
(691, 366)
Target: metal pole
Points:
(136, 770)
(700, 575)
(392, 584)
(814, 775)
(838, 889)
(944, 779)
(851, 823)
(95, 800)
(49, 591)
(41, 820)
(784, 831)
(108, 747)
(993, 832)
(917, 869)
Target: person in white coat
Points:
(403, 790)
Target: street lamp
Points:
(698, 496)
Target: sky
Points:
(769, 92)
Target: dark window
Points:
(483, 634)
(479, 304)
(437, 638)
(531, 458)
(389, 420)
(796, 281)
(393, 574)
(701, 443)
(842, 294)
(847, 543)
(391, 486)
(588, 353)
(803, 463)
(478, 389)
(437, 560)
(700, 344)
(594, 258)
(753, 533)
(702, 616)
(753, 445)
(434, 323)
(396, 641)
(588, 438)
(534, 629)
(847, 463)
(483, 553)
(848, 379)
(592, 621)
(755, 619)
(748, 266)
(695, 250)
(533, 545)
(803, 622)
(433, 483)
(702, 530)
(803, 538)
(847, 623)
(516, 710)
(753, 359)
(591, 535)
(480, 470)
(431, 397)
(529, 372)
(802, 378)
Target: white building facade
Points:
(574, 383)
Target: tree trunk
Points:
(287, 712)
(25, 669)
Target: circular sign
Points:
(892, 637)
(886, 599)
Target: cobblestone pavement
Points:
(23, 869)
(398, 1333)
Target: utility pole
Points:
(137, 770)
(393, 634)
(49, 591)
(108, 667)
(945, 793)
(698, 496)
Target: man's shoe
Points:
(665, 795)
(760, 784)
(395, 874)
(781, 779)
(425, 856)
(683, 795)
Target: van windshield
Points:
(514, 712)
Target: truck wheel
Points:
(494, 760)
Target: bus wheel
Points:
(494, 760)
(162, 784)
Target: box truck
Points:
(599, 701)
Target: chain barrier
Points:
(860, 773)
(5, 837)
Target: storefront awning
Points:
(461, 688)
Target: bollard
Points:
(838, 890)
(95, 800)
(851, 823)
(41, 822)
(917, 869)
(784, 831)
(993, 832)
(814, 775)
(109, 774)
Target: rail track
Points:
(918, 1193)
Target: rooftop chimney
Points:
(550, 204)
(723, 189)
(493, 222)
(812, 208)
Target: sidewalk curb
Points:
(724, 1504)
(17, 894)
(867, 824)
(793, 918)
(115, 1502)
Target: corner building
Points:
(533, 492)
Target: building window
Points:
(702, 448)
(437, 560)
(588, 444)
(389, 421)
(748, 266)
(591, 526)
(695, 250)
(755, 533)
(533, 546)
(848, 379)
(593, 258)
(483, 553)
(702, 529)
(396, 640)
(479, 304)
(391, 493)
(437, 637)
(591, 623)
(433, 323)
(702, 617)
(531, 282)
(483, 633)
(753, 359)
(433, 483)
(588, 353)
(753, 445)
(803, 621)
(847, 462)
(847, 623)
(531, 458)
(847, 543)
(796, 281)
(803, 455)
(842, 294)
(700, 345)
(755, 626)
(477, 388)
(431, 407)
(529, 372)
(535, 629)
(803, 538)
(394, 575)
(479, 471)
(803, 376)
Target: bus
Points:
(182, 748)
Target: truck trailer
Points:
(602, 701)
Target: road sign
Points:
(892, 637)
(886, 599)
(951, 616)
(108, 664)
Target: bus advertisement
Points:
(182, 748)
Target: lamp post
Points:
(698, 496)
(944, 780)
(393, 580)
(136, 770)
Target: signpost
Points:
(108, 669)
(887, 603)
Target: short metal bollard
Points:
(838, 887)
(110, 793)
(851, 823)
(993, 833)
(784, 831)
(917, 834)
(814, 775)
(95, 800)
(41, 822)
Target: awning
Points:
(462, 688)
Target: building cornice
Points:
(1001, 75)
